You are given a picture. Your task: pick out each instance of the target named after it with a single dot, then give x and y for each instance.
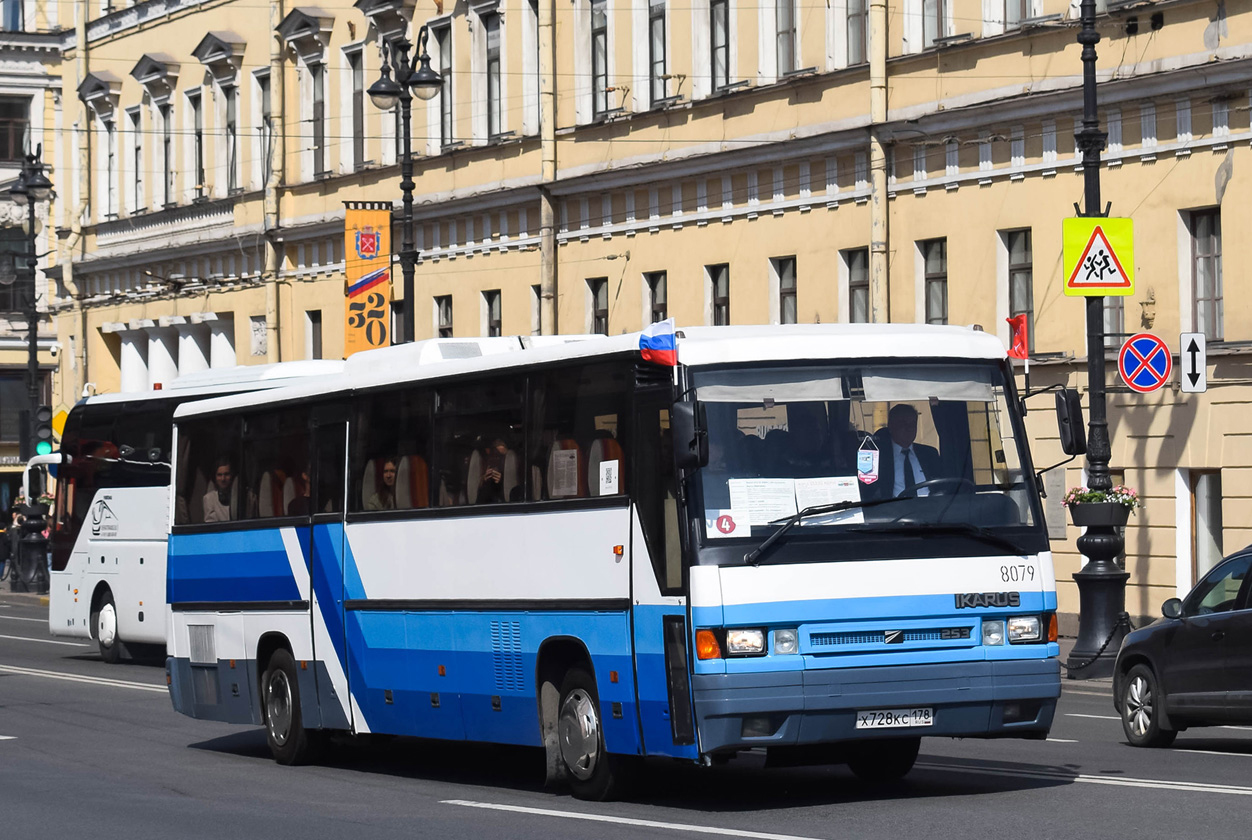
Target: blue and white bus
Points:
(826, 541)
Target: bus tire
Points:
(289, 742)
(104, 626)
(593, 774)
(877, 762)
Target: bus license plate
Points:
(894, 718)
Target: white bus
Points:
(111, 521)
(569, 547)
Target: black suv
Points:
(1194, 666)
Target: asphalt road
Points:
(88, 749)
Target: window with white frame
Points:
(313, 334)
(443, 43)
(857, 261)
(785, 37)
(1016, 11)
(858, 32)
(719, 43)
(1206, 273)
(167, 153)
(934, 21)
(656, 287)
(1019, 245)
(599, 58)
(784, 271)
(530, 68)
(231, 96)
(491, 27)
(11, 17)
(935, 279)
(135, 115)
(110, 171)
(658, 67)
(265, 127)
(536, 309)
(317, 73)
(1114, 322)
(719, 293)
(195, 106)
(443, 316)
(598, 298)
(492, 321)
(356, 73)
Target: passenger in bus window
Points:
(384, 498)
(492, 486)
(217, 502)
(299, 504)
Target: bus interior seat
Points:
(509, 478)
(270, 494)
(561, 484)
(289, 495)
(412, 482)
(602, 449)
(195, 504)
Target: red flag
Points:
(1019, 347)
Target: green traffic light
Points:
(43, 447)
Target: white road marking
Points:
(1243, 728)
(1093, 717)
(605, 818)
(1063, 740)
(8, 737)
(19, 618)
(1115, 781)
(44, 641)
(1182, 748)
(58, 675)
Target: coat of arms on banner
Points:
(367, 241)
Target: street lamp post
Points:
(1101, 583)
(386, 93)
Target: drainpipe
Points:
(65, 254)
(547, 143)
(879, 242)
(277, 153)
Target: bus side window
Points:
(391, 443)
(655, 488)
(479, 434)
(578, 431)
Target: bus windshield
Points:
(936, 446)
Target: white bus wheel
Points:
(104, 622)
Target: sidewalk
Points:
(28, 599)
(1067, 645)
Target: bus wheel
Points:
(104, 620)
(884, 761)
(593, 774)
(289, 741)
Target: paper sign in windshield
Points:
(829, 490)
(721, 524)
(764, 499)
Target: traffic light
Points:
(43, 430)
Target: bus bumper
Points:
(992, 699)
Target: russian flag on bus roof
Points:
(657, 343)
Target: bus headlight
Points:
(1024, 628)
(785, 642)
(993, 632)
(743, 642)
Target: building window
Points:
(356, 67)
(13, 257)
(136, 159)
(657, 68)
(719, 39)
(1015, 11)
(935, 280)
(491, 23)
(313, 334)
(858, 18)
(443, 315)
(167, 153)
(1206, 521)
(443, 39)
(318, 72)
(658, 306)
(14, 125)
(719, 293)
(11, 16)
(858, 285)
(599, 58)
(933, 14)
(785, 270)
(598, 289)
(398, 322)
(1114, 322)
(110, 171)
(197, 142)
(267, 127)
(491, 313)
(785, 34)
(1022, 281)
(232, 138)
(1206, 273)
(536, 310)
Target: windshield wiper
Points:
(963, 528)
(817, 510)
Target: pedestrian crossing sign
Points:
(1099, 256)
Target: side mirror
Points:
(1070, 423)
(691, 439)
(1172, 608)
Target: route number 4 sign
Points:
(1099, 257)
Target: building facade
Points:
(597, 165)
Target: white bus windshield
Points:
(933, 445)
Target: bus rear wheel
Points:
(593, 773)
(104, 623)
(289, 742)
(877, 762)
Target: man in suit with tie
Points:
(904, 463)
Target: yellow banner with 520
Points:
(367, 296)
